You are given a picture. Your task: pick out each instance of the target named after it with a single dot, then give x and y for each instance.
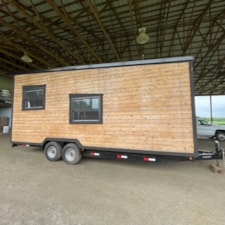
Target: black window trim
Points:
(100, 121)
(32, 87)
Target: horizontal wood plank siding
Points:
(145, 107)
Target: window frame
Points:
(72, 97)
(30, 88)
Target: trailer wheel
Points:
(220, 136)
(71, 154)
(53, 151)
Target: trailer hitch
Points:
(217, 154)
(220, 152)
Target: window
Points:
(86, 108)
(33, 97)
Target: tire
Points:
(53, 151)
(71, 154)
(220, 136)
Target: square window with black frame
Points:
(86, 108)
(33, 97)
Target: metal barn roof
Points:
(77, 32)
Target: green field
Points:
(216, 120)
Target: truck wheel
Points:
(53, 151)
(220, 136)
(71, 154)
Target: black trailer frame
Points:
(217, 154)
(202, 155)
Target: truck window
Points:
(33, 97)
(85, 108)
(204, 122)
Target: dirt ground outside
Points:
(35, 191)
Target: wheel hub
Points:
(51, 152)
(70, 155)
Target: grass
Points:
(216, 120)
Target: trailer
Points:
(134, 110)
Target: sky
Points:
(202, 106)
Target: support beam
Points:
(94, 11)
(24, 36)
(69, 24)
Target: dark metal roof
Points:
(74, 32)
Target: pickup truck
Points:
(207, 130)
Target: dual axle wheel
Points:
(70, 152)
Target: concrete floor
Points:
(103, 192)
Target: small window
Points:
(86, 108)
(33, 97)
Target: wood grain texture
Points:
(145, 107)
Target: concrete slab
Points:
(104, 192)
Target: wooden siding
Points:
(145, 107)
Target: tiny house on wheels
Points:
(126, 110)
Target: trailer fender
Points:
(62, 142)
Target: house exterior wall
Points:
(145, 107)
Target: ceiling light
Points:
(142, 37)
(25, 58)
